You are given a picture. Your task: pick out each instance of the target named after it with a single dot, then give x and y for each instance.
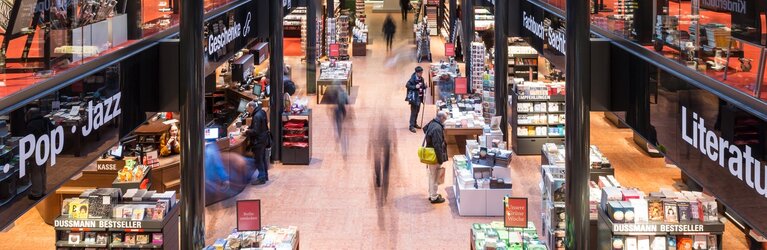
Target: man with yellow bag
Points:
(433, 152)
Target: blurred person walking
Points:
(404, 6)
(435, 138)
(339, 114)
(259, 140)
(389, 29)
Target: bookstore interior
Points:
(126, 194)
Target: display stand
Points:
(610, 232)
(523, 65)
(280, 238)
(430, 12)
(423, 42)
(529, 136)
(168, 227)
(297, 141)
(479, 201)
(600, 165)
(340, 74)
(477, 58)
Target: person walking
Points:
(415, 91)
(435, 138)
(37, 125)
(389, 29)
(258, 135)
(404, 6)
(339, 113)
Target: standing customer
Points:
(389, 29)
(404, 6)
(258, 135)
(435, 138)
(37, 125)
(415, 89)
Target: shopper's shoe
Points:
(258, 182)
(412, 129)
(438, 200)
(417, 127)
(34, 197)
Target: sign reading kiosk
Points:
(249, 215)
(515, 212)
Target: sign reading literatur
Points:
(741, 164)
(249, 215)
(515, 212)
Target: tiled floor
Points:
(333, 200)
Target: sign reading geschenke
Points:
(229, 32)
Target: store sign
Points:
(515, 212)
(249, 215)
(49, 146)
(555, 34)
(449, 49)
(532, 29)
(113, 224)
(657, 228)
(734, 6)
(229, 32)
(740, 164)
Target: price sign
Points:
(449, 50)
(335, 50)
(461, 86)
(515, 212)
(249, 215)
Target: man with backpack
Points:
(415, 91)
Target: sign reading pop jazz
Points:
(38, 150)
(740, 163)
(231, 28)
(542, 28)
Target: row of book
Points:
(632, 206)
(682, 242)
(102, 238)
(103, 203)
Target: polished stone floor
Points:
(333, 201)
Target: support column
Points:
(329, 8)
(276, 68)
(501, 63)
(192, 126)
(453, 6)
(313, 13)
(467, 18)
(577, 125)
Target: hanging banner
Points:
(249, 215)
(515, 212)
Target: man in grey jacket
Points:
(435, 138)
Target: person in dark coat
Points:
(415, 91)
(404, 6)
(435, 138)
(389, 29)
(37, 125)
(258, 134)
